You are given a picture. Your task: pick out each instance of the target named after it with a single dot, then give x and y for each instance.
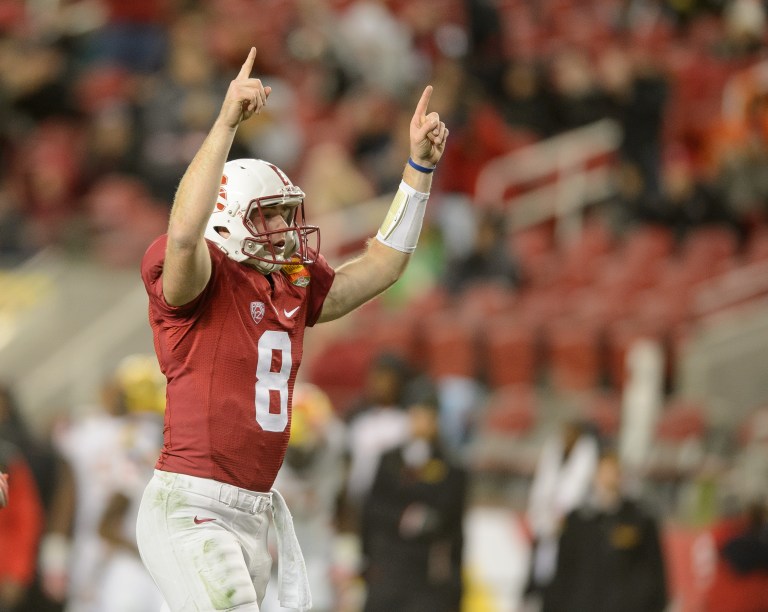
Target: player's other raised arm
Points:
(384, 260)
(187, 261)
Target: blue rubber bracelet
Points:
(416, 166)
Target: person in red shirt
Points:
(21, 522)
(232, 286)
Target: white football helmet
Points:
(247, 187)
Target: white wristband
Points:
(402, 225)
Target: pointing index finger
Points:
(245, 71)
(421, 107)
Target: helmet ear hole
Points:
(221, 231)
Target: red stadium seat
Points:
(340, 368)
(510, 352)
(511, 410)
(482, 300)
(603, 410)
(503, 441)
(450, 346)
(648, 243)
(708, 251)
(574, 355)
(681, 419)
(757, 245)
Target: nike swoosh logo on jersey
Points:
(199, 521)
(290, 313)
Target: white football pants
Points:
(205, 542)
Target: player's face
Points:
(273, 219)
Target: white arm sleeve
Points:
(402, 225)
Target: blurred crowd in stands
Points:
(104, 102)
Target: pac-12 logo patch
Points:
(257, 311)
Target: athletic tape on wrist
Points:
(402, 225)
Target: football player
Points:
(232, 286)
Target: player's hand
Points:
(246, 96)
(428, 133)
(3, 490)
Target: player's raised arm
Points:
(187, 261)
(384, 260)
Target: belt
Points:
(252, 502)
(241, 499)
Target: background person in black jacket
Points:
(610, 557)
(412, 520)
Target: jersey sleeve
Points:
(322, 279)
(152, 276)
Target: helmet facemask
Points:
(262, 247)
(239, 226)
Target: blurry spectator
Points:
(744, 24)
(683, 12)
(376, 426)
(42, 461)
(380, 45)
(578, 98)
(524, 104)
(114, 141)
(125, 585)
(38, 454)
(486, 41)
(133, 34)
(633, 202)
(180, 102)
(311, 479)
(636, 96)
(334, 179)
(561, 482)
(109, 454)
(481, 134)
(35, 83)
(47, 173)
(109, 96)
(21, 523)
(412, 531)
(739, 548)
(489, 259)
(123, 219)
(610, 555)
(366, 116)
(324, 69)
(687, 202)
(743, 165)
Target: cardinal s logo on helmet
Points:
(238, 226)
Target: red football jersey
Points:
(231, 358)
